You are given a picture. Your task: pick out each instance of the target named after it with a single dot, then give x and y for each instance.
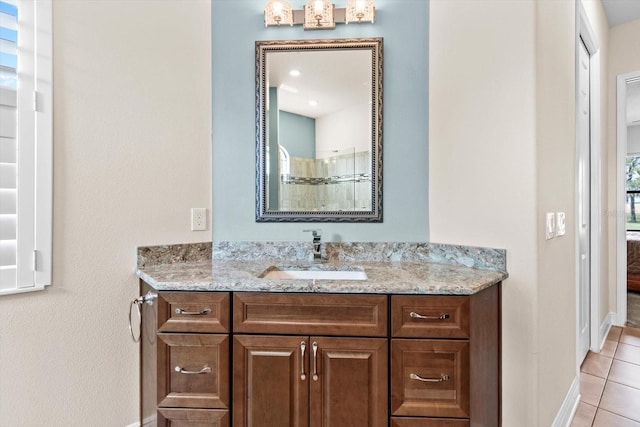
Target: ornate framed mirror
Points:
(319, 130)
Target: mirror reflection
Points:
(319, 149)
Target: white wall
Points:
(624, 57)
(502, 153)
(333, 131)
(131, 157)
(600, 26)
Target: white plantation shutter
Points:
(25, 145)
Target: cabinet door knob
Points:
(193, 313)
(303, 347)
(315, 361)
(443, 377)
(204, 370)
(415, 315)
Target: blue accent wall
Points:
(298, 135)
(236, 25)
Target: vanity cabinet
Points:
(185, 358)
(310, 380)
(445, 360)
(320, 360)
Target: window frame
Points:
(34, 137)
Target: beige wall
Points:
(482, 170)
(555, 191)
(502, 134)
(131, 157)
(624, 57)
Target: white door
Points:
(584, 203)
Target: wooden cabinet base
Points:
(252, 359)
(428, 422)
(178, 417)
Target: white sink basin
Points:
(313, 274)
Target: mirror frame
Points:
(264, 47)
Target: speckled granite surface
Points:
(393, 268)
(170, 254)
(483, 258)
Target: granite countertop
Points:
(408, 269)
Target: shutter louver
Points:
(8, 143)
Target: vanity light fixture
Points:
(318, 14)
(360, 11)
(278, 12)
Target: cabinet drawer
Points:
(430, 316)
(193, 370)
(428, 422)
(430, 378)
(193, 312)
(177, 417)
(310, 314)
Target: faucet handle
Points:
(315, 231)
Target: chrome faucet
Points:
(317, 244)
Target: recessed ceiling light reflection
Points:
(313, 103)
(288, 88)
(294, 73)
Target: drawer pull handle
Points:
(303, 346)
(204, 370)
(443, 377)
(193, 313)
(315, 361)
(415, 315)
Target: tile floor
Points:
(610, 383)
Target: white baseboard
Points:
(150, 421)
(603, 331)
(569, 405)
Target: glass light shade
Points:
(318, 15)
(360, 11)
(278, 12)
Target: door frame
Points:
(597, 332)
(620, 317)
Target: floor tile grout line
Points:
(606, 379)
(619, 383)
(621, 416)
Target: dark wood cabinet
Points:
(445, 360)
(267, 386)
(251, 359)
(304, 381)
(310, 380)
(185, 356)
(351, 387)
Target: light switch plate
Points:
(550, 228)
(561, 228)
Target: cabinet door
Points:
(193, 370)
(351, 386)
(270, 381)
(430, 378)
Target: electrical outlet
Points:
(198, 219)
